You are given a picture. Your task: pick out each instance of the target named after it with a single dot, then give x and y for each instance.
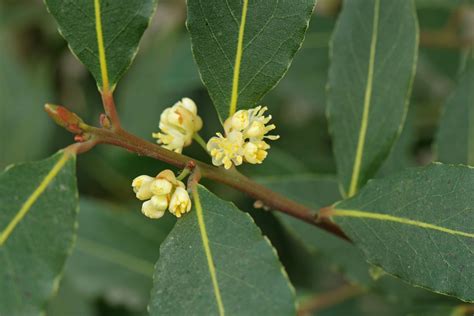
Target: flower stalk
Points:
(119, 137)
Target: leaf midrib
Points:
(34, 196)
(207, 250)
(367, 102)
(401, 220)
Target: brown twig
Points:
(328, 299)
(119, 137)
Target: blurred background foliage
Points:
(111, 267)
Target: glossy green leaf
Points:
(103, 34)
(319, 191)
(456, 133)
(417, 225)
(373, 58)
(115, 252)
(215, 261)
(38, 208)
(243, 48)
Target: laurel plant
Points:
(407, 236)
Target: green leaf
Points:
(374, 50)
(16, 107)
(243, 48)
(417, 225)
(115, 252)
(103, 34)
(456, 132)
(38, 208)
(215, 261)
(318, 191)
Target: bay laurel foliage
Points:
(408, 234)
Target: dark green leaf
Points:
(243, 48)
(117, 24)
(456, 133)
(216, 261)
(417, 225)
(374, 50)
(38, 208)
(115, 252)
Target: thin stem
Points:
(200, 141)
(325, 300)
(113, 134)
(183, 174)
(234, 179)
(110, 110)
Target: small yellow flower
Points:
(245, 132)
(255, 152)
(180, 202)
(178, 125)
(162, 192)
(257, 127)
(226, 150)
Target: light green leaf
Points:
(243, 48)
(38, 208)
(456, 132)
(374, 50)
(103, 34)
(115, 252)
(215, 261)
(417, 225)
(318, 191)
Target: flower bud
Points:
(178, 125)
(155, 207)
(160, 187)
(141, 187)
(180, 202)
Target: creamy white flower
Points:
(178, 125)
(245, 132)
(255, 152)
(141, 187)
(180, 202)
(155, 207)
(257, 127)
(226, 150)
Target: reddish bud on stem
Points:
(65, 118)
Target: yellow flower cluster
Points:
(162, 192)
(244, 140)
(178, 125)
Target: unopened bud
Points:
(65, 118)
